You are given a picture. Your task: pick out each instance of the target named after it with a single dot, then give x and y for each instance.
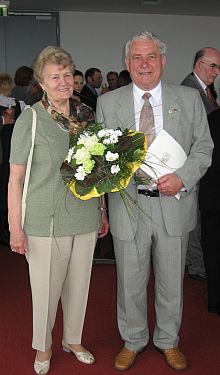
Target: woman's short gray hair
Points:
(146, 35)
(53, 55)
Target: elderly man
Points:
(206, 68)
(163, 231)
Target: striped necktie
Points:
(211, 99)
(146, 124)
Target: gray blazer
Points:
(192, 81)
(188, 125)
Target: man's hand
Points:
(169, 184)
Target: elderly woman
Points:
(60, 231)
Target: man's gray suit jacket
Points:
(185, 119)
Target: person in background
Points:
(112, 82)
(5, 119)
(78, 79)
(60, 231)
(10, 109)
(23, 78)
(35, 91)
(93, 77)
(159, 224)
(209, 203)
(206, 68)
(124, 78)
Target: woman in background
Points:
(22, 80)
(11, 107)
(78, 79)
(60, 231)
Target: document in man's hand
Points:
(164, 155)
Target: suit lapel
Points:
(125, 108)
(203, 95)
(171, 109)
(199, 87)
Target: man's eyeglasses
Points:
(212, 66)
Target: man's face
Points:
(208, 67)
(96, 80)
(145, 63)
(112, 81)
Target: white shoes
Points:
(41, 367)
(84, 357)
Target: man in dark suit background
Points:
(209, 203)
(205, 70)
(89, 95)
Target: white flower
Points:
(88, 141)
(110, 136)
(106, 141)
(81, 155)
(70, 154)
(115, 169)
(113, 138)
(110, 131)
(110, 156)
(80, 173)
(118, 133)
(102, 133)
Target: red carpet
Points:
(200, 332)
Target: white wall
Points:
(97, 39)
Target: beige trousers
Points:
(59, 267)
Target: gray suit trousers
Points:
(133, 259)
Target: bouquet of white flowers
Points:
(102, 160)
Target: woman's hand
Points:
(18, 241)
(105, 225)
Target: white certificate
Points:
(164, 155)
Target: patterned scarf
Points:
(80, 115)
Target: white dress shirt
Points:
(155, 101)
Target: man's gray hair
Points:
(146, 35)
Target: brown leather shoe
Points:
(174, 358)
(125, 359)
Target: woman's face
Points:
(57, 82)
(78, 83)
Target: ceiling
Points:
(180, 7)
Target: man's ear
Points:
(127, 63)
(164, 59)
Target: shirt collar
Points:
(155, 93)
(92, 89)
(200, 82)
